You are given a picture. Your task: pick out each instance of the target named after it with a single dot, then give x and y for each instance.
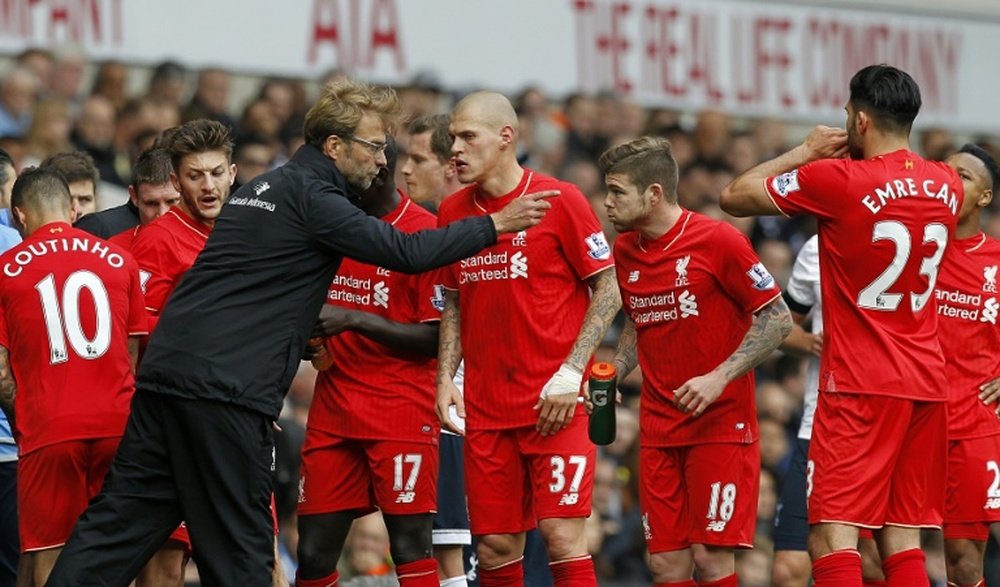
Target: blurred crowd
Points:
(58, 101)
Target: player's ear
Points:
(507, 135)
(175, 180)
(985, 198)
(232, 173)
(133, 196)
(20, 220)
(655, 193)
(862, 121)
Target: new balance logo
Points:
(569, 499)
(990, 310)
(633, 277)
(992, 503)
(688, 303)
(990, 279)
(261, 187)
(406, 497)
(716, 526)
(682, 272)
(382, 295)
(518, 265)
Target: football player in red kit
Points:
(702, 312)
(528, 460)
(885, 217)
(71, 312)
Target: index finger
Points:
(542, 194)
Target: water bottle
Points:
(603, 394)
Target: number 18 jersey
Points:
(884, 225)
(68, 303)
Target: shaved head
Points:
(490, 109)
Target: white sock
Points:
(455, 582)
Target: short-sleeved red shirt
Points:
(967, 301)
(884, 225)
(522, 301)
(68, 303)
(372, 390)
(692, 294)
(165, 249)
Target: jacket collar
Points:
(315, 161)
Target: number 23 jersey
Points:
(884, 225)
(68, 303)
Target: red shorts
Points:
(340, 474)
(878, 460)
(701, 494)
(973, 498)
(54, 484)
(516, 477)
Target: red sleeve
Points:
(739, 271)
(156, 255)
(138, 319)
(448, 274)
(816, 188)
(580, 233)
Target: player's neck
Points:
(968, 228)
(880, 144)
(502, 180)
(210, 223)
(660, 221)
(35, 222)
(384, 203)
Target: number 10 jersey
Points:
(68, 303)
(884, 225)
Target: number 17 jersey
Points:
(884, 225)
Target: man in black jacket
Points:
(198, 444)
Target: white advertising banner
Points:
(761, 58)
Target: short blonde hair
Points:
(339, 109)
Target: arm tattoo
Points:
(8, 387)
(605, 301)
(627, 355)
(770, 326)
(449, 338)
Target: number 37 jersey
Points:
(68, 303)
(884, 226)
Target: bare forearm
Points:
(133, 352)
(738, 197)
(605, 302)
(627, 355)
(420, 338)
(8, 387)
(770, 326)
(449, 338)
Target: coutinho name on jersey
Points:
(61, 245)
(908, 187)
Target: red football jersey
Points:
(692, 294)
(522, 301)
(884, 224)
(165, 249)
(68, 303)
(967, 310)
(374, 391)
(125, 238)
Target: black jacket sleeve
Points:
(341, 228)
